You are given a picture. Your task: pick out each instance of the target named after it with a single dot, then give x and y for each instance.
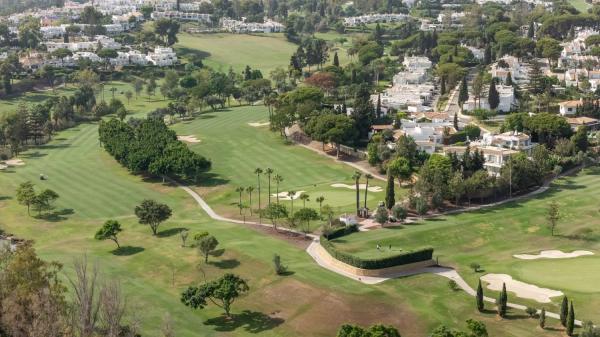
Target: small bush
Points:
(475, 266)
(531, 311)
(453, 286)
(280, 269)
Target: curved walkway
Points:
(312, 250)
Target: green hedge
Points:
(337, 233)
(422, 254)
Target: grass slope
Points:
(221, 51)
(154, 270)
(237, 149)
(490, 237)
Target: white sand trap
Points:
(3, 167)
(258, 124)
(285, 196)
(553, 254)
(14, 162)
(189, 139)
(360, 187)
(521, 289)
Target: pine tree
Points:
(480, 305)
(571, 320)
(336, 60)
(463, 95)
(390, 198)
(564, 311)
(543, 318)
(493, 96)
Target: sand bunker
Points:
(14, 162)
(553, 254)
(360, 187)
(521, 289)
(258, 124)
(3, 167)
(285, 196)
(188, 139)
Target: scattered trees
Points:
(207, 245)
(553, 215)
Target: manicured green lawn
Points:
(491, 237)
(154, 270)
(580, 5)
(221, 51)
(237, 149)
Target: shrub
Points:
(339, 232)
(531, 311)
(452, 285)
(280, 269)
(475, 266)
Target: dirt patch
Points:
(311, 311)
(296, 239)
(286, 196)
(14, 162)
(553, 254)
(521, 289)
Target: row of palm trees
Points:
(356, 177)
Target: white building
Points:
(428, 136)
(374, 18)
(506, 94)
(236, 26)
(417, 63)
(509, 64)
(162, 57)
(569, 108)
(183, 16)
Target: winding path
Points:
(313, 251)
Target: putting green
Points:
(576, 274)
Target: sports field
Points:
(154, 270)
(237, 149)
(491, 237)
(221, 51)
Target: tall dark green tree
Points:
(390, 197)
(493, 96)
(564, 311)
(543, 318)
(571, 320)
(364, 112)
(487, 55)
(502, 302)
(531, 30)
(479, 297)
(443, 85)
(463, 94)
(336, 60)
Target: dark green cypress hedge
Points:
(419, 255)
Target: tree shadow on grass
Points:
(35, 154)
(250, 321)
(190, 52)
(56, 216)
(127, 250)
(226, 264)
(170, 232)
(5, 197)
(217, 252)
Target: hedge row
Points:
(343, 231)
(422, 254)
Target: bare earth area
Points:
(258, 124)
(521, 289)
(285, 196)
(553, 254)
(360, 187)
(189, 139)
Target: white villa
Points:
(373, 18)
(569, 108)
(183, 16)
(513, 140)
(518, 72)
(411, 88)
(495, 157)
(506, 94)
(236, 26)
(428, 136)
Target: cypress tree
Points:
(564, 311)
(480, 305)
(571, 321)
(336, 60)
(509, 79)
(390, 198)
(543, 318)
(463, 95)
(487, 56)
(443, 85)
(455, 121)
(502, 302)
(378, 108)
(531, 30)
(493, 96)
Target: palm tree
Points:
(249, 190)
(356, 176)
(304, 197)
(269, 171)
(291, 195)
(240, 190)
(368, 176)
(258, 172)
(277, 179)
(320, 201)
